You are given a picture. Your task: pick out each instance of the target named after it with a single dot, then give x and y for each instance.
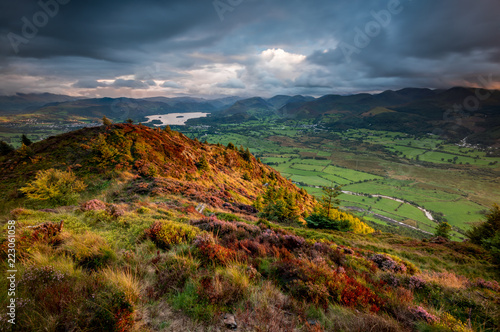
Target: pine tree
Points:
(246, 155)
(329, 199)
(25, 140)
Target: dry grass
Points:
(446, 279)
(125, 281)
(267, 309)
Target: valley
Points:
(454, 183)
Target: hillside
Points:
(128, 228)
(150, 153)
(22, 102)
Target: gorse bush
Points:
(55, 186)
(166, 233)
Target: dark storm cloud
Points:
(143, 45)
(88, 84)
(121, 83)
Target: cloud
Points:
(134, 84)
(231, 84)
(171, 84)
(266, 46)
(88, 84)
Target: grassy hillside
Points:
(138, 229)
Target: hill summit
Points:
(162, 161)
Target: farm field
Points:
(454, 183)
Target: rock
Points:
(230, 322)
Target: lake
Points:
(175, 119)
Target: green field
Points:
(425, 171)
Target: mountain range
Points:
(454, 114)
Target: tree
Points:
(25, 140)
(277, 204)
(329, 199)
(231, 146)
(246, 154)
(487, 233)
(168, 129)
(130, 121)
(443, 229)
(5, 148)
(106, 121)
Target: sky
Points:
(210, 49)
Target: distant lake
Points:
(175, 119)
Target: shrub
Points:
(216, 226)
(416, 282)
(5, 148)
(487, 234)
(55, 186)
(115, 211)
(450, 323)
(215, 254)
(167, 233)
(443, 229)
(108, 310)
(420, 313)
(225, 288)
(319, 283)
(93, 205)
(106, 121)
(323, 222)
(143, 210)
(481, 283)
(393, 264)
(203, 164)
